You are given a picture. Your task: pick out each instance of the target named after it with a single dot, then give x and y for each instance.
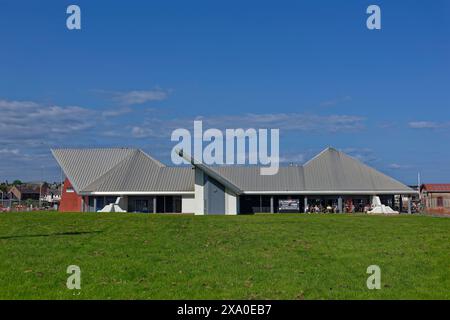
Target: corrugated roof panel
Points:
(176, 179)
(128, 170)
(83, 166)
(250, 179)
(139, 173)
(333, 170)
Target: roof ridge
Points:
(319, 154)
(53, 150)
(159, 163)
(94, 149)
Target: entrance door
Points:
(214, 196)
(440, 202)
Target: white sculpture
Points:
(378, 207)
(113, 207)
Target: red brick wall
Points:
(70, 201)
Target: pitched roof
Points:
(27, 189)
(83, 167)
(250, 179)
(139, 173)
(436, 187)
(131, 170)
(334, 170)
(329, 171)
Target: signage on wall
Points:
(291, 205)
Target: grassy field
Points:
(138, 256)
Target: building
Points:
(96, 177)
(27, 191)
(52, 195)
(435, 197)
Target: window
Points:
(69, 189)
(141, 206)
(177, 204)
(440, 201)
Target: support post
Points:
(400, 207)
(95, 204)
(271, 204)
(409, 204)
(340, 204)
(164, 200)
(305, 204)
(154, 204)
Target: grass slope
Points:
(138, 256)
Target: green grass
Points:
(138, 256)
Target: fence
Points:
(9, 205)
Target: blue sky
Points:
(138, 70)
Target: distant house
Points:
(436, 197)
(27, 191)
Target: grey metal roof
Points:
(83, 166)
(333, 170)
(107, 168)
(137, 172)
(329, 171)
(250, 179)
(131, 170)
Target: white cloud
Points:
(116, 112)
(157, 127)
(140, 96)
(144, 132)
(6, 151)
(287, 121)
(399, 166)
(427, 124)
(29, 120)
(296, 158)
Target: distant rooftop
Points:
(436, 187)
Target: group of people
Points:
(347, 208)
(319, 208)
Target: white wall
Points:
(199, 195)
(231, 203)
(198, 203)
(188, 203)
